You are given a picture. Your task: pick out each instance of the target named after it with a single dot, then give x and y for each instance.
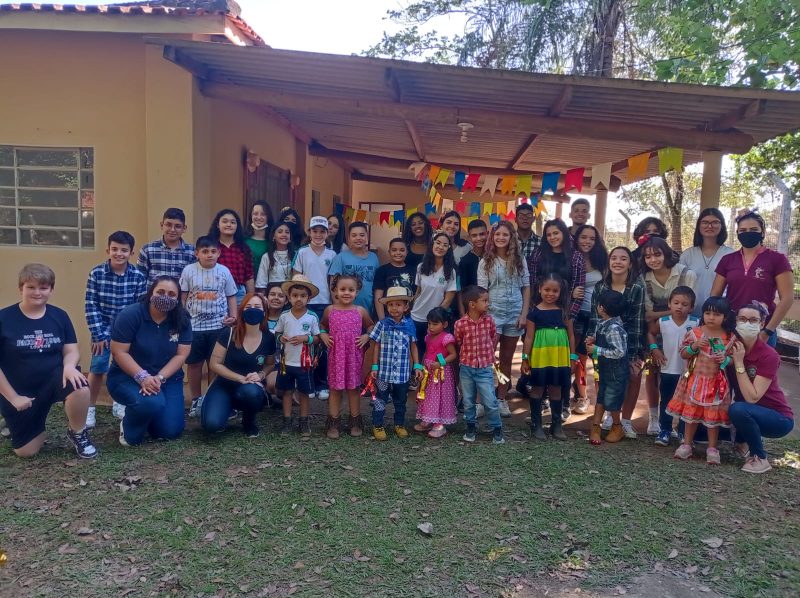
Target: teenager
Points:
(259, 223)
(170, 254)
(417, 235)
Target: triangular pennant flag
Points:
(512, 216)
(574, 179)
(507, 186)
(465, 223)
(437, 201)
(429, 209)
(487, 208)
(433, 172)
(410, 212)
(361, 216)
(524, 184)
(500, 208)
(475, 208)
(461, 207)
(447, 205)
(399, 217)
(442, 177)
(601, 175)
(417, 167)
(489, 184)
(637, 167)
(432, 193)
(434, 223)
(458, 180)
(339, 208)
(511, 206)
(373, 218)
(426, 184)
(535, 200)
(349, 213)
(550, 182)
(494, 219)
(384, 218)
(471, 184)
(670, 158)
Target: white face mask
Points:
(259, 227)
(747, 330)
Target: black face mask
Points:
(750, 239)
(253, 316)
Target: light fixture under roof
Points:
(464, 128)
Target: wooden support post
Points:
(559, 210)
(600, 205)
(712, 173)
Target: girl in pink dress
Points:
(342, 331)
(439, 405)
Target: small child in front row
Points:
(394, 354)
(703, 395)
(341, 331)
(672, 329)
(549, 353)
(276, 303)
(438, 407)
(609, 347)
(476, 337)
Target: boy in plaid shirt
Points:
(476, 338)
(394, 352)
(112, 285)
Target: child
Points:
(314, 260)
(609, 347)
(548, 353)
(673, 329)
(394, 353)
(438, 406)
(359, 261)
(276, 264)
(702, 395)
(276, 302)
(476, 337)
(234, 254)
(170, 254)
(341, 332)
(296, 330)
(111, 286)
(209, 295)
(394, 274)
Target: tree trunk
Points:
(595, 57)
(674, 200)
(786, 212)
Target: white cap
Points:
(318, 221)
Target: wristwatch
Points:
(161, 378)
(740, 369)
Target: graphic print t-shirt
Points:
(208, 291)
(32, 349)
(363, 267)
(389, 275)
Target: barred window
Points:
(47, 196)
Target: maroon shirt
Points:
(762, 360)
(755, 284)
(239, 260)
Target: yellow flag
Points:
(507, 186)
(410, 212)
(637, 167)
(487, 208)
(524, 183)
(433, 173)
(670, 158)
(442, 177)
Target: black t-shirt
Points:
(468, 270)
(239, 360)
(390, 275)
(32, 349)
(413, 260)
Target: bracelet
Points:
(654, 346)
(573, 357)
(770, 333)
(374, 367)
(321, 331)
(419, 366)
(140, 376)
(690, 350)
(525, 357)
(440, 358)
(310, 339)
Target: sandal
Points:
(422, 427)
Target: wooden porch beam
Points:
(728, 141)
(749, 110)
(561, 103)
(416, 139)
(519, 157)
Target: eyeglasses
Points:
(710, 223)
(748, 320)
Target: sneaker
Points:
(712, 456)
(197, 403)
(497, 436)
(565, 413)
(674, 434)
(118, 410)
(379, 433)
(122, 440)
(581, 406)
(683, 452)
(4, 431)
(231, 416)
(607, 421)
(82, 443)
(663, 438)
(756, 465)
(252, 430)
(479, 410)
(400, 431)
(323, 394)
(438, 431)
(469, 434)
(627, 427)
(504, 410)
(653, 427)
(91, 417)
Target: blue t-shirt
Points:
(365, 267)
(151, 345)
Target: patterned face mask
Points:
(164, 303)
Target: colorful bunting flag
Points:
(524, 185)
(399, 217)
(384, 218)
(487, 208)
(426, 185)
(494, 219)
(507, 186)
(437, 201)
(512, 216)
(670, 158)
(511, 206)
(361, 216)
(418, 168)
(550, 182)
(447, 205)
(475, 209)
(500, 208)
(442, 177)
(601, 175)
(339, 209)
(489, 184)
(461, 207)
(432, 192)
(471, 184)
(433, 173)
(410, 212)
(458, 180)
(637, 166)
(349, 213)
(429, 209)
(574, 179)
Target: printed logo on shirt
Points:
(328, 262)
(173, 338)
(441, 280)
(206, 295)
(751, 372)
(365, 273)
(38, 341)
(758, 274)
(306, 326)
(260, 360)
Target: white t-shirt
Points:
(431, 289)
(672, 336)
(592, 278)
(280, 271)
(705, 269)
(290, 326)
(315, 267)
(207, 291)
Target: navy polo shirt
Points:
(151, 345)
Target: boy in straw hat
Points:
(296, 330)
(393, 355)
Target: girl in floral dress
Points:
(702, 395)
(439, 405)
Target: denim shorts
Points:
(506, 322)
(295, 377)
(613, 383)
(101, 363)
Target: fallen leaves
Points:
(672, 553)
(712, 542)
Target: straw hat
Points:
(397, 294)
(298, 280)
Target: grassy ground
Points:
(274, 517)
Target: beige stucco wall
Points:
(329, 179)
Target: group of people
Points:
(273, 310)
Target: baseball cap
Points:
(318, 221)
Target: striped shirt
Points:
(107, 293)
(156, 259)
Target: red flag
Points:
(471, 184)
(434, 223)
(574, 179)
(512, 215)
(461, 207)
(384, 217)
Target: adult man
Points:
(579, 214)
(468, 266)
(528, 240)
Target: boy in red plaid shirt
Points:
(476, 338)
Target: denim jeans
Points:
(666, 389)
(398, 394)
(614, 374)
(160, 415)
(224, 395)
(479, 383)
(753, 422)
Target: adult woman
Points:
(336, 231)
(417, 235)
(242, 358)
(710, 234)
(595, 258)
(436, 284)
(755, 273)
(760, 407)
(258, 226)
(276, 265)
(234, 254)
(503, 271)
(150, 342)
(292, 218)
(450, 224)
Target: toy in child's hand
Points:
(501, 377)
(370, 391)
(423, 384)
(306, 358)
